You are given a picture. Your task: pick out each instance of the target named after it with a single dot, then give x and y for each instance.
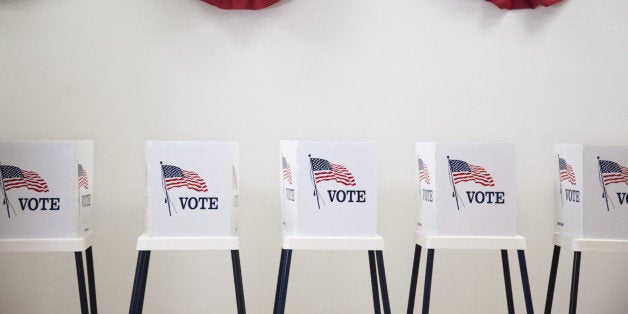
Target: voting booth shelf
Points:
(467, 200)
(46, 189)
(591, 184)
(191, 204)
(328, 194)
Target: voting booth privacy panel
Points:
(466, 189)
(192, 189)
(46, 189)
(591, 184)
(328, 188)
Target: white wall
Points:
(396, 71)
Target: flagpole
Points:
(601, 177)
(4, 192)
(560, 182)
(451, 179)
(163, 184)
(314, 182)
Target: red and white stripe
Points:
(190, 179)
(616, 177)
(478, 175)
(338, 173)
(568, 175)
(31, 181)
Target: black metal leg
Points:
(575, 277)
(281, 262)
(506, 268)
(143, 281)
(93, 307)
(374, 285)
(524, 280)
(80, 274)
(136, 283)
(382, 281)
(428, 281)
(139, 283)
(237, 279)
(552, 280)
(286, 256)
(413, 278)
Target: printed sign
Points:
(466, 188)
(192, 188)
(592, 184)
(328, 188)
(42, 196)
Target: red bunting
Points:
(241, 4)
(522, 4)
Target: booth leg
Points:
(508, 284)
(237, 279)
(374, 285)
(91, 281)
(575, 278)
(413, 278)
(139, 283)
(549, 299)
(382, 281)
(80, 274)
(428, 281)
(524, 280)
(282, 284)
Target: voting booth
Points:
(592, 184)
(191, 204)
(47, 198)
(467, 200)
(328, 196)
(467, 189)
(192, 189)
(591, 212)
(328, 189)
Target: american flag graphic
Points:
(613, 172)
(566, 172)
(424, 174)
(463, 171)
(286, 174)
(235, 177)
(83, 181)
(324, 170)
(15, 177)
(175, 177)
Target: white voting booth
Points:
(328, 194)
(467, 200)
(47, 198)
(192, 201)
(591, 209)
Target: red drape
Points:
(522, 4)
(241, 4)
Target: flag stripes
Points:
(83, 180)
(462, 172)
(286, 174)
(613, 172)
(324, 170)
(566, 172)
(15, 177)
(175, 177)
(424, 174)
